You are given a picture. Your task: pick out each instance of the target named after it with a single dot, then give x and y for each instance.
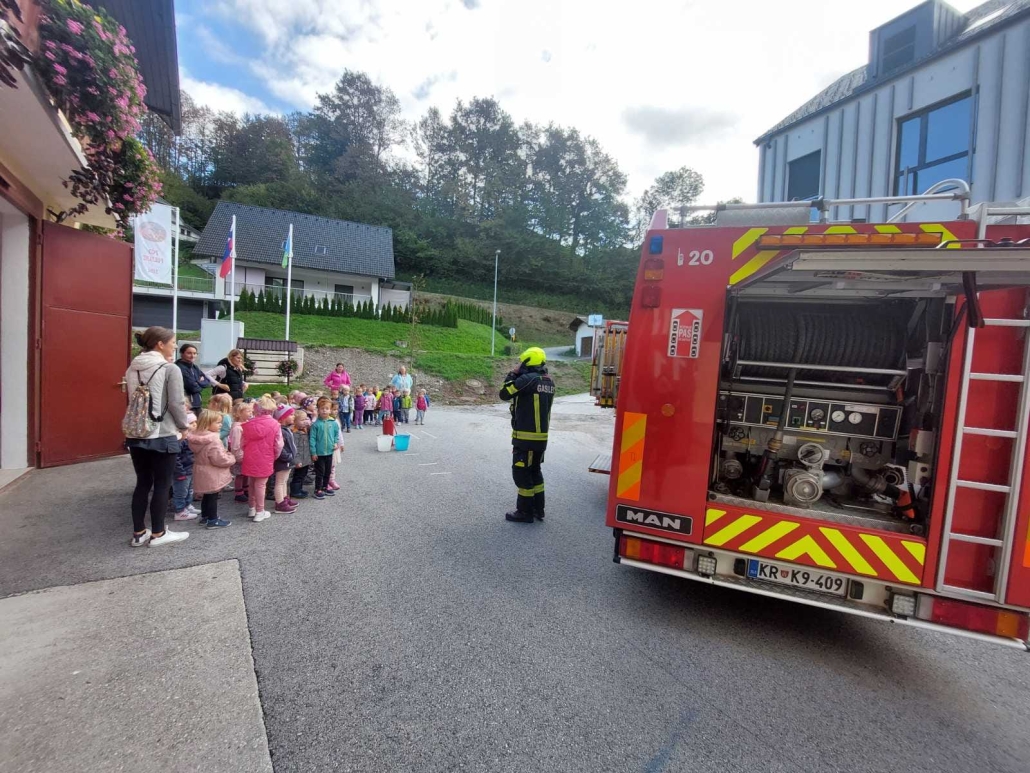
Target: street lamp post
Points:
(493, 317)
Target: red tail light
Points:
(973, 617)
(651, 296)
(660, 553)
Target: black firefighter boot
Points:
(519, 517)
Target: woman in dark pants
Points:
(194, 380)
(153, 457)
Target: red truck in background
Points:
(832, 414)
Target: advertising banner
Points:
(154, 245)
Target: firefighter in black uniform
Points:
(531, 392)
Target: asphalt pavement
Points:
(405, 626)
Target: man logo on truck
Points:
(680, 524)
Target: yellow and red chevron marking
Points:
(631, 456)
(747, 258)
(885, 556)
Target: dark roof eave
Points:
(151, 28)
(869, 85)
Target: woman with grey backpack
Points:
(153, 423)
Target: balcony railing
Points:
(191, 284)
(354, 299)
(206, 286)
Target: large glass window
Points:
(803, 177)
(934, 145)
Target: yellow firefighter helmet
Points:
(534, 356)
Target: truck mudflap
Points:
(859, 596)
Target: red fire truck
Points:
(834, 414)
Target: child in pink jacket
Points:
(211, 463)
(262, 442)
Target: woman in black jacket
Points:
(229, 374)
(193, 379)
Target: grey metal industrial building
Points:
(943, 95)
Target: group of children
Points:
(273, 443)
(371, 405)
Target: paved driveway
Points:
(406, 626)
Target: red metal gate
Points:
(86, 294)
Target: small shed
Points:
(584, 333)
(266, 354)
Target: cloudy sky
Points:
(660, 83)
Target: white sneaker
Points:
(251, 513)
(139, 540)
(263, 515)
(192, 509)
(186, 515)
(168, 538)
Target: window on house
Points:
(320, 249)
(344, 289)
(899, 49)
(933, 145)
(803, 177)
(278, 283)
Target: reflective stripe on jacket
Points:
(531, 392)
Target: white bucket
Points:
(384, 442)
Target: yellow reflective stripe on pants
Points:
(526, 492)
(538, 489)
(536, 411)
(519, 435)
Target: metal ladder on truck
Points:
(1004, 541)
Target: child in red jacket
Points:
(262, 443)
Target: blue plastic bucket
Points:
(400, 442)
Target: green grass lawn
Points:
(456, 367)
(311, 330)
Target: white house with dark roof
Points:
(352, 261)
(943, 95)
(334, 259)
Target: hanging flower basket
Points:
(89, 68)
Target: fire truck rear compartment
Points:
(817, 403)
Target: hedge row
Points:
(275, 302)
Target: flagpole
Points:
(232, 292)
(289, 279)
(175, 274)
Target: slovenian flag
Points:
(288, 248)
(229, 257)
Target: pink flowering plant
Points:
(89, 67)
